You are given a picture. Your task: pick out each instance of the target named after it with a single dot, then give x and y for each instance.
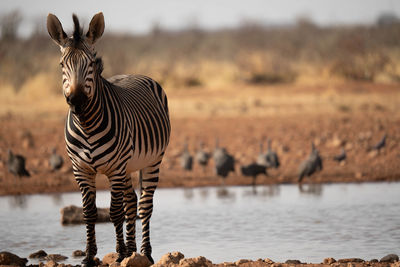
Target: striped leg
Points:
(130, 207)
(87, 186)
(117, 214)
(149, 185)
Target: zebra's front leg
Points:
(87, 187)
(130, 208)
(117, 214)
(149, 185)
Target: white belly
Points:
(140, 161)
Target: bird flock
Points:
(224, 162)
(16, 163)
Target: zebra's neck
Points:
(95, 111)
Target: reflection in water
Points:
(264, 191)
(224, 193)
(18, 201)
(271, 191)
(188, 193)
(57, 199)
(204, 193)
(230, 221)
(312, 189)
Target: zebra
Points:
(114, 126)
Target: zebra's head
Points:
(78, 59)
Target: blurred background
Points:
(295, 72)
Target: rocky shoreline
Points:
(173, 259)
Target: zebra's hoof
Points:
(88, 262)
(150, 258)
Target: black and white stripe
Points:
(115, 127)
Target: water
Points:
(279, 222)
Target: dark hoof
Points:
(150, 258)
(120, 259)
(88, 263)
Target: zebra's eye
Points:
(62, 65)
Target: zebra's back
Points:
(146, 102)
(140, 83)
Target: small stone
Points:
(350, 260)
(359, 175)
(373, 153)
(293, 262)
(56, 257)
(195, 262)
(269, 261)
(329, 260)
(390, 258)
(374, 260)
(110, 258)
(114, 264)
(276, 264)
(51, 263)
(7, 258)
(78, 253)
(242, 261)
(136, 260)
(41, 264)
(38, 254)
(170, 258)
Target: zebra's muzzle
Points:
(77, 102)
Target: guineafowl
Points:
(55, 161)
(341, 157)
(253, 170)
(16, 165)
(202, 157)
(270, 158)
(310, 165)
(186, 158)
(381, 144)
(224, 163)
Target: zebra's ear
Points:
(55, 30)
(96, 28)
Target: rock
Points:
(374, 260)
(74, 215)
(276, 264)
(38, 254)
(136, 260)
(242, 261)
(55, 257)
(114, 264)
(110, 258)
(293, 262)
(390, 258)
(7, 258)
(78, 253)
(329, 260)
(269, 261)
(170, 258)
(350, 260)
(195, 262)
(51, 263)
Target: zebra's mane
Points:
(78, 31)
(99, 65)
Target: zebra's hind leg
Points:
(117, 214)
(130, 207)
(149, 185)
(86, 183)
